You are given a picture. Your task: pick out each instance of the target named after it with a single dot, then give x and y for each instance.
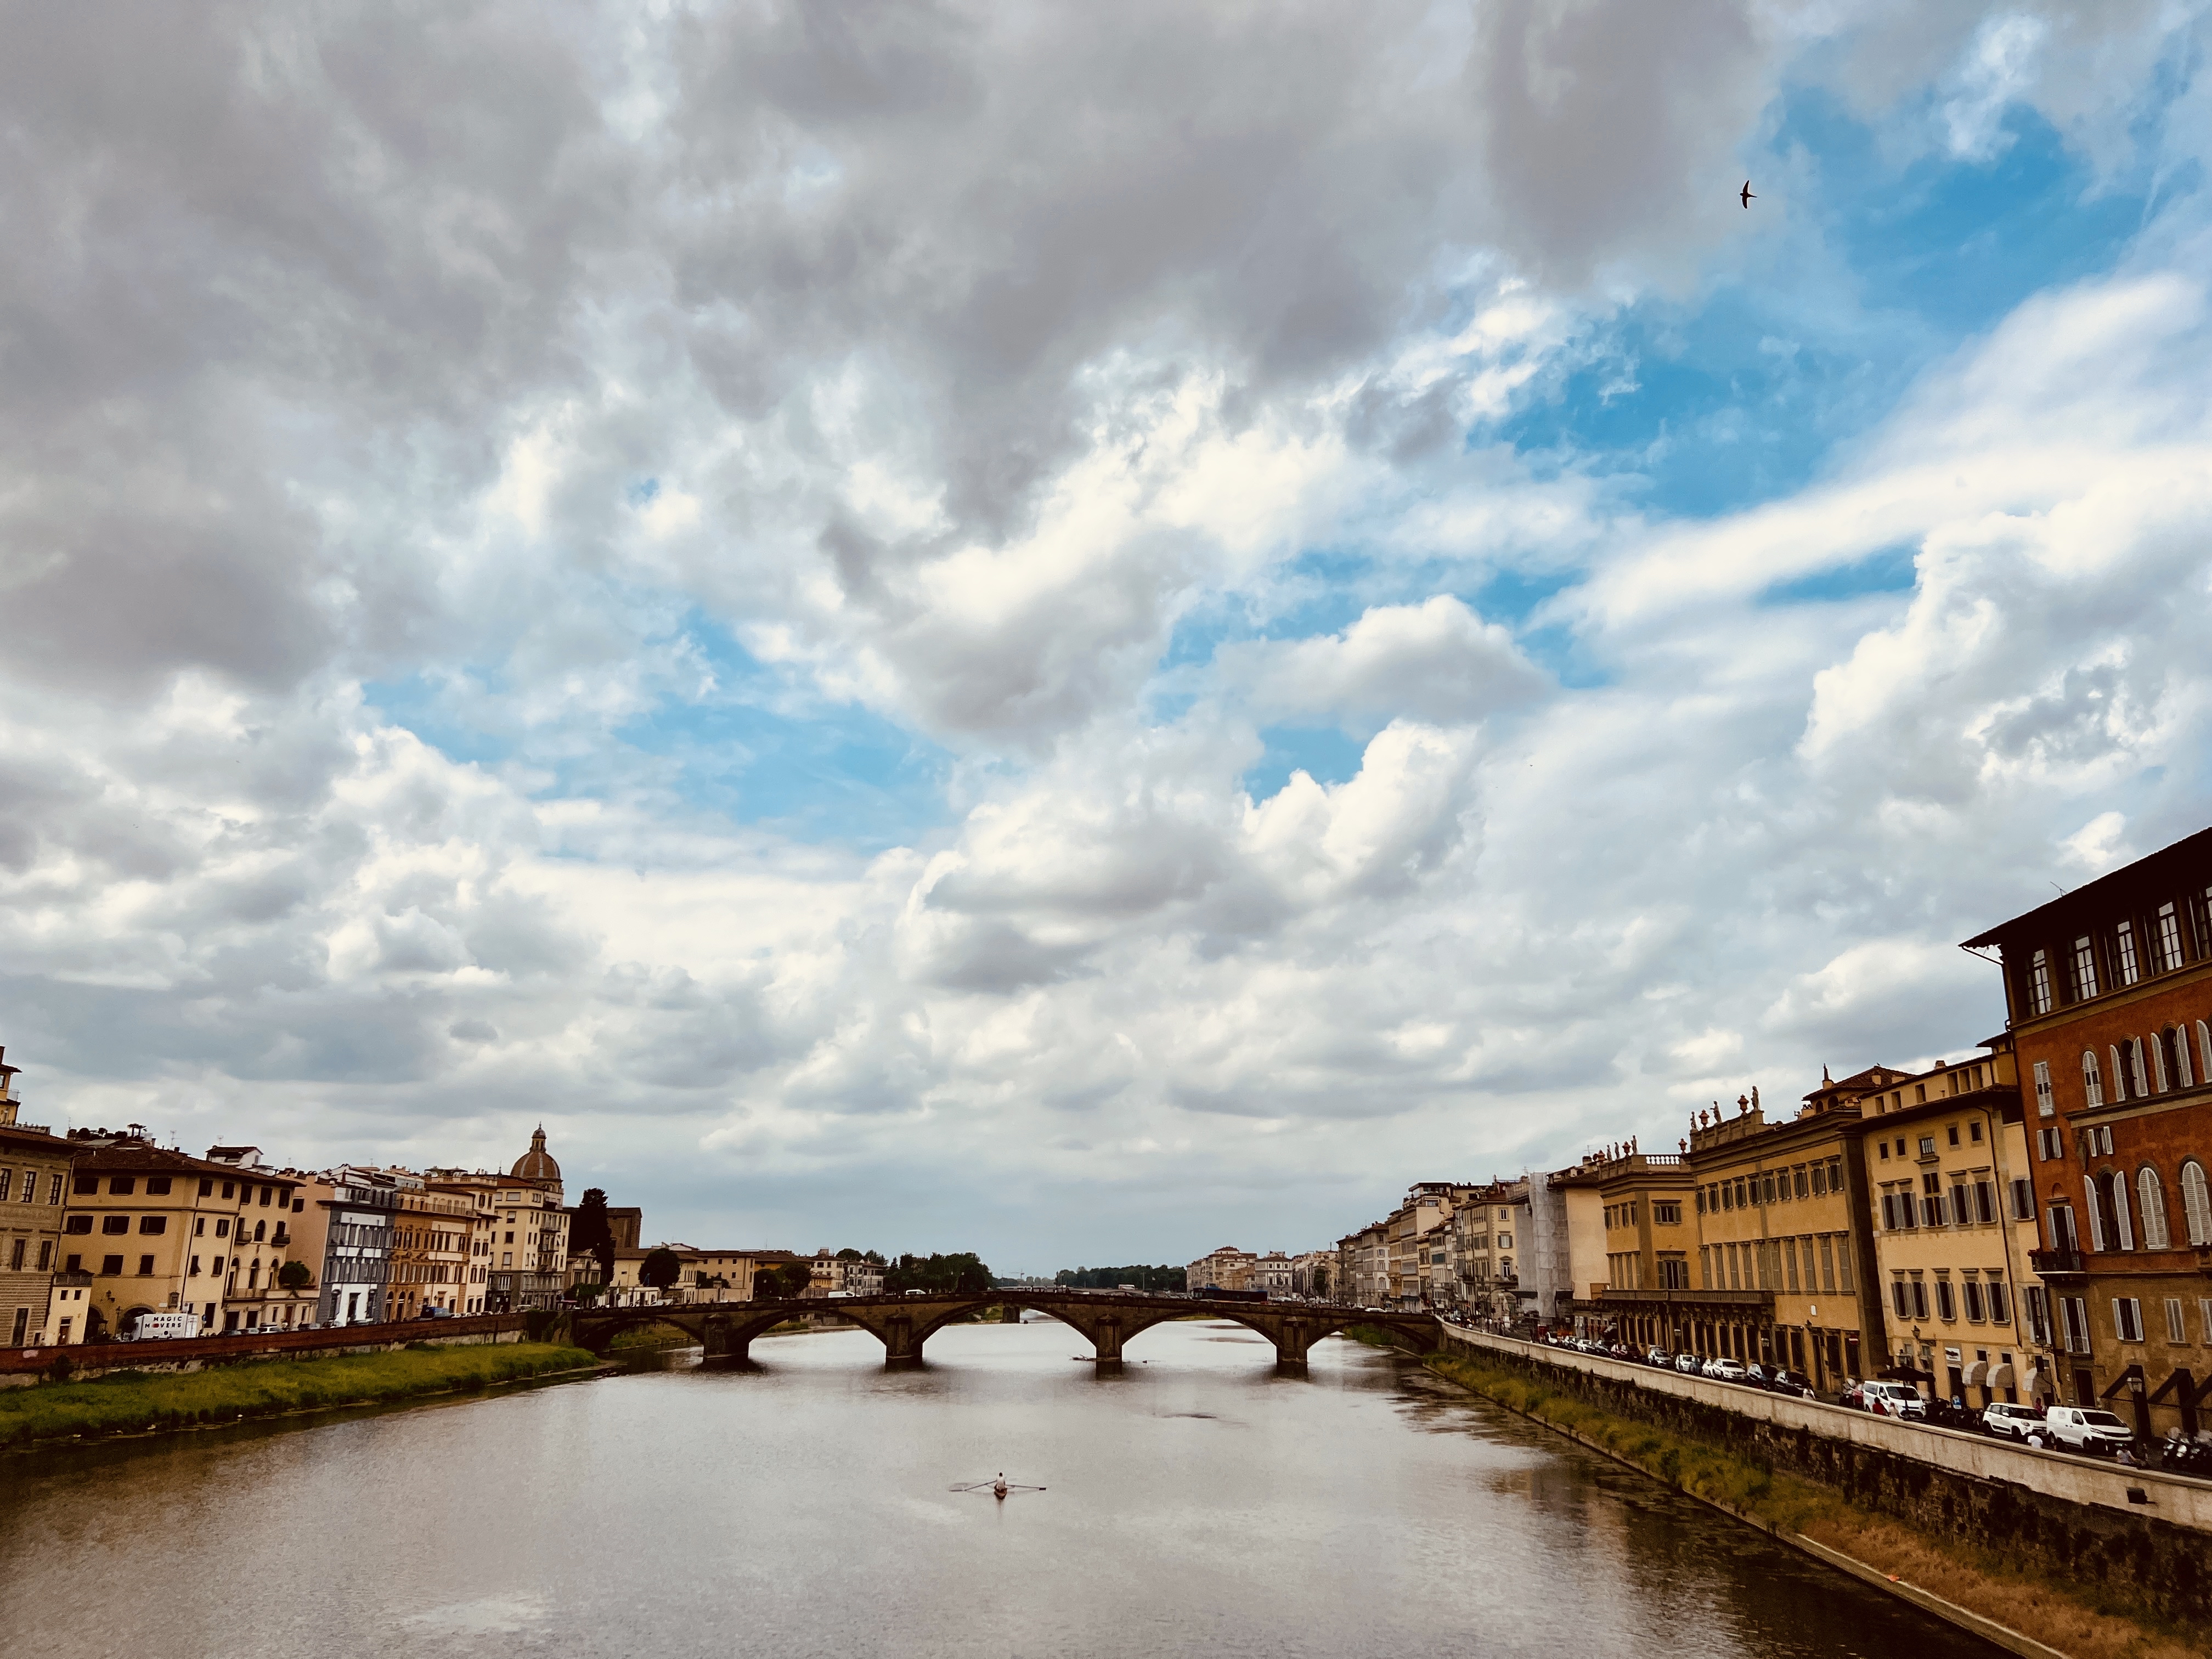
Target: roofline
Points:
(2201, 841)
(1987, 1097)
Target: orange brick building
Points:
(2109, 994)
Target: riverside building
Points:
(1945, 1156)
(357, 1206)
(2108, 991)
(433, 1233)
(1644, 1205)
(37, 1308)
(527, 1265)
(1227, 1268)
(1484, 1244)
(158, 1231)
(1784, 1258)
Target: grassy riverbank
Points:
(2076, 1620)
(133, 1402)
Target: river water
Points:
(1197, 1505)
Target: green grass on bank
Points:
(2086, 1621)
(1703, 1471)
(135, 1401)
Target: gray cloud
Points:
(951, 358)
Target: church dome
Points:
(537, 1163)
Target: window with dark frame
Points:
(2085, 969)
(2124, 963)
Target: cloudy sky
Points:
(1074, 631)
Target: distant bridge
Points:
(1107, 1318)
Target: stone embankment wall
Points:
(2079, 1518)
(20, 1367)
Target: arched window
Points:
(2093, 1084)
(2119, 1054)
(2195, 1203)
(2150, 1197)
(2173, 1047)
(2161, 1073)
(2138, 1068)
(2123, 1233)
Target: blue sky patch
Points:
(1324, 752)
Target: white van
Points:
(2082, 1429)
(165, 1328)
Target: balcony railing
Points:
(2059, 1263)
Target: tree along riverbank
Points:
(2084, 1621)
(126, 1402)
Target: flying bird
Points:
(1748, 198)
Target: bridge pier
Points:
(715, 1342)
(902, 1352)
(1292, 1341)
(1106, 1339)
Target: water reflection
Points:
(1197, 1503)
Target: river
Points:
(1198, 1504)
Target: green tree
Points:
(962, 1274)
(781, 1282)
(295, 1276)
(592, 1234)
(660, 1269)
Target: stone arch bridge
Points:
(1107, 1318)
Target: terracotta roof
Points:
(122, 1156)
(35, 1140)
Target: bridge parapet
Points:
(1108, 1318)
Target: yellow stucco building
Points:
(1953, 1201)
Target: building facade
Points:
(1945, 1156)
(1363, 1265)
(2108, 990)
(1486, 1227)
(34, 1180)
(527, 1251)
(1784, 1264)
(1644, 1264)
(434, 1234)
(159, 1231)
(357, 1207)
(1227, 1268)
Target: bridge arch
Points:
(903, 1324)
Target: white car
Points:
(1725, 1369)
(2082, 1429)
(1900, 1400)
(2008, 1422)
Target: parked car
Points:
(2084, 1429)
(2009, 1422)
(1658, 1356)
(1783, 1380)
(1898, 1399)
(1725, 1369)
(1953, 1414)
(1689, 1364)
